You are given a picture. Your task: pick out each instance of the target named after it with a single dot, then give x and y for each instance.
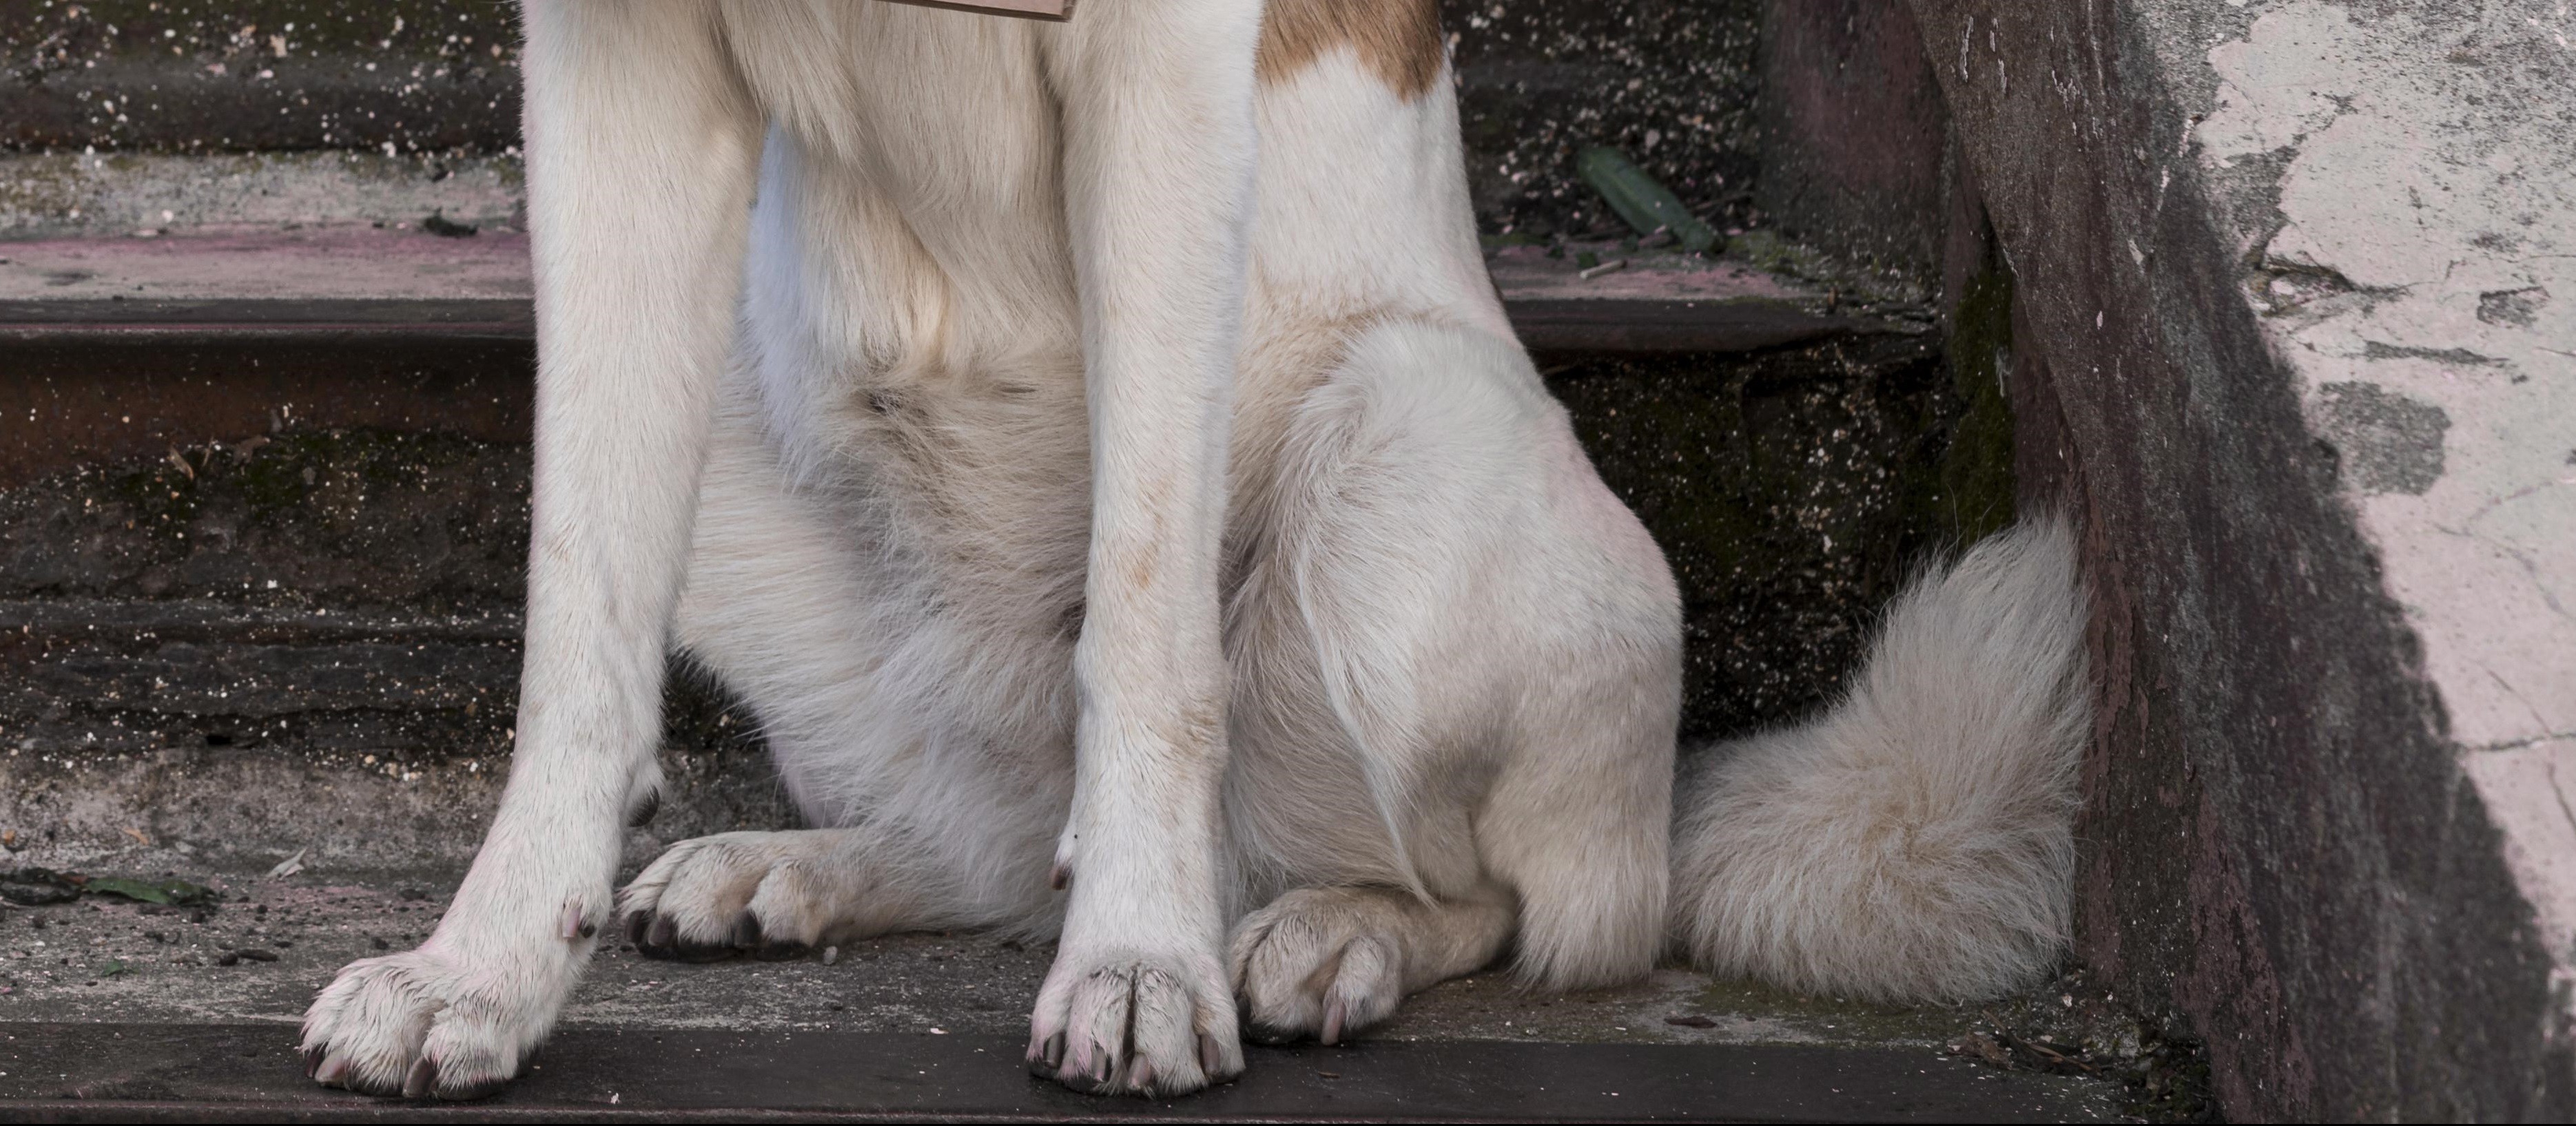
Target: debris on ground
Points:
(2073, 1028)
(36, 887)
(1644, 203)
(289, 866)
(444, 227)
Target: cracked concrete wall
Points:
(2292, 331)
(2422, 255)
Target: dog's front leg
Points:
(641, 149)
(1156, 98)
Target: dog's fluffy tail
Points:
(1916, 842)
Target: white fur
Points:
(1118, 468)
(1915, 842)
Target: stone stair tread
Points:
(219, 1072)
(347, 281)
(116, 1010)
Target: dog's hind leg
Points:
(642, 145)
(932, 758)
(1457, 656)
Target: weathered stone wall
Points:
(1854, 141)
(2278, 333)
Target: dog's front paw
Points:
(419, 1024)
(1129, 1023)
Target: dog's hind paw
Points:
(419, 1025)
(765, 895)
(1320, 963)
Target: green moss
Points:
(1977, 467)
(421, 521)
(289, 473)
(1765, 250)
(159, 494)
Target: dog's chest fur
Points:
(913, 319)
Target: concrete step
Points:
(249, 1073)
(358, 282)
(114, 1010)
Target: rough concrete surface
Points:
(2286, 332)
(435, 83)
(260, 954)
(143, 194)
(1853, 137)
(2423, 289)
(245, 261)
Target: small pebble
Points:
(831, 954)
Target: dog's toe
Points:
(1134, 1026)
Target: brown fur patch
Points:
(1399, 39)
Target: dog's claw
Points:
(424, 1075)
(662, 934)
(1335, 1012)
(477, 1091)
(1141, 1076)
(746, 930)
(635, 924)
(333, 1070)
(313, 1060)
(1060, 877)
(1211, 1054)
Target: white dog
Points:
(1096, 454)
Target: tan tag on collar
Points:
(1026, 9)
